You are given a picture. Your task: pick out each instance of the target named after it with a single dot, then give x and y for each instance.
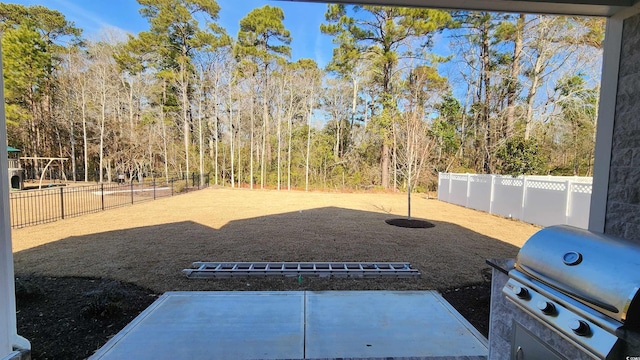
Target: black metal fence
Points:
(33, 207)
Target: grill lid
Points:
(600, 271)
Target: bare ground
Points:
(148, 245)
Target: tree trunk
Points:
(164, 131)
(251, 138)
(239, 172)
(290, 137)
(385, 163)
(131, 107)
(216, 131)
(354, 102)
(265, 126)
(533, 90)
(200, 138)
(72, 131)
(84, 135)
(336, 147)
(290, 130)
(102, 128)
(72, 139)
(395, 159)
(513, 77)
(306, 187)
(231, 137)
(279, 134)
(185, 113)
(486, 107)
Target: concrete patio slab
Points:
(214, 325)
(297, 325)
(383, 324)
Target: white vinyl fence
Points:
(540, 200)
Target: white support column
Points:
(7, 291)
(8, 330)
(604, 130)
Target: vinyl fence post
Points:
(466, 204)
(62, 202)
(567, 206)
(449, 192)
(102, 192)
(524, 197)
(492, 193)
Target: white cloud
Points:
(84, 17)
(321, 51)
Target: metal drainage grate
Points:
(203, 270)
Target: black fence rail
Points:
(33, 207)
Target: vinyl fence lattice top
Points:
(540, 200)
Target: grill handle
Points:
(571, 293)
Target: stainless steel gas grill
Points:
(582, 285)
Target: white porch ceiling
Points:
(567, 7)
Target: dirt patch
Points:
(148, 245)
(70, 318)
(410, 223)
(473, 302)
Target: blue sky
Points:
(302, 19)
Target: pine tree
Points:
(380, 34)
(262, 41)
(176, 35)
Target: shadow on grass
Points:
(152, 257)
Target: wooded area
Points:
(517, 94)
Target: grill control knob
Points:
(547, 308)
(580, 327)
(521, 292)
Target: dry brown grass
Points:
(150, 243)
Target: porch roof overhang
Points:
(606, 8)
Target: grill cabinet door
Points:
(527, 346)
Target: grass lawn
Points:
(148, 244)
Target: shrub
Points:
(105, 302)
(28, 289)
(179, 186)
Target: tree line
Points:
(517, 94)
